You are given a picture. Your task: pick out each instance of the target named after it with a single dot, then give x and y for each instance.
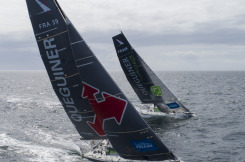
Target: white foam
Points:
(32, 151)
(17, 99)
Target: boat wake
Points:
(147, 112)
(26, 150)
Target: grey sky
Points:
(168, 34)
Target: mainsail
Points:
(146, 84)
(52, 37)
(78, 77)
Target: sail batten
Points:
(81, 41)
(89, 63)
(48, 36)
(45, 32)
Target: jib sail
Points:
(52, 38)
(144, 81)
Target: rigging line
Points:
(72, 75)
(120, 30)
(66, 77)
(98, 144)
(84, 58)
(53, 36)
(81, 41)
(85, 64)
(130, 131)
(60, 50)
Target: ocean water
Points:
(34, 126)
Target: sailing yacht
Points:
(94, 103)
(148, 87)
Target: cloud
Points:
(169, 34)
(157, 15)
(19, 54)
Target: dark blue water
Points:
(34, 126)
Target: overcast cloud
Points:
(168, 34)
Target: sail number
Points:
(48, 24)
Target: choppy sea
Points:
(34, 126)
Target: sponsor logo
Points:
(134, 73)
(173, 105)
(48, 24)
(156, 91)
(44, 7)
(57, 71)
(144, 145)
(106, 107)
(122, 50)
(120, 42)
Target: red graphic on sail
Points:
(108, 107)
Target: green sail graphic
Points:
(156, 90)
